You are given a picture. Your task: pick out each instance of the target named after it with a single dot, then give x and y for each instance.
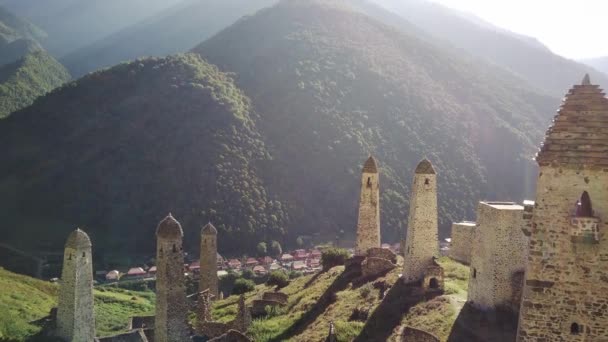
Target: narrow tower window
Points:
(474, 273)
(575, 329)
(84, 254)
(427, 181)
(174, 249)
(369, 181)
(583, 206)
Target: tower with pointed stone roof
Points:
(171, 309)
(368, 223)
(421, 244)
(566, 280)
(75, 314)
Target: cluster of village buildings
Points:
(545, 261)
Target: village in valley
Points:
(537, 269)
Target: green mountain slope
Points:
(519, 54)
(72, 24)
(600, 63)
(21, 82)
(333, 86)
(24, 299)
(175, 30)
(116, 151)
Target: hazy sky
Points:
(571, 28)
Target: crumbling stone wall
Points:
(433, 279)
(462, 241)
(259, 306)
(231, 336)
(171, 307)
(499, 251)
(276, 296)
(208, 260)
(368, 223)
(372, 266)
(421, 244)
(136, 335)
(75, 315)
(415, 335)
(382, 253)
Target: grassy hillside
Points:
(33, 75)
(24, 299)
(174, 30)
(305, 318)
(115, 151)
(522, 55)
(332, 86)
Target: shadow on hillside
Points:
(388, 315)
(326, 299)
(473, 325)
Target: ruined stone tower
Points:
(208, 260)
(421, 244)
(498, 254)
(171, 309)
(368, 224)
(566, 284)
(75, 314)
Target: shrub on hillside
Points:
(242, 286)
(278, 279)
(333, 257)
(248, 274)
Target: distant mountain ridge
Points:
(175, 30)
(543, 69)
(600, 63)
(72, 24)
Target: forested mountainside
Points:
(600, 63)
(26, 70)
(115, 151)
(174, 30)
(22, 81)
(13, 27)
(118, 149)
(333, 86)
(72, 24)
(538, 65)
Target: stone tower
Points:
(498, 255)
(171, 309)
(368, 224)
(208, 260)
(566, 283)
(75, 314)
(421, 244)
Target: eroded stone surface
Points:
(372, 266)
(462, 241)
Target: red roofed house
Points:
(152, 270)
(250, 262)
(315, 254)
(266, 260)
(195, 267)
(300, 254)
(298, 265)
(286, 258)
(135, 272)
(259, 270)
(234, 264)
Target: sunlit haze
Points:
(573, 29)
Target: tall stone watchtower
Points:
(566, 282)
(75, 314)
(368, 224)
(171, 310)
(421, 244)
(208, 260)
